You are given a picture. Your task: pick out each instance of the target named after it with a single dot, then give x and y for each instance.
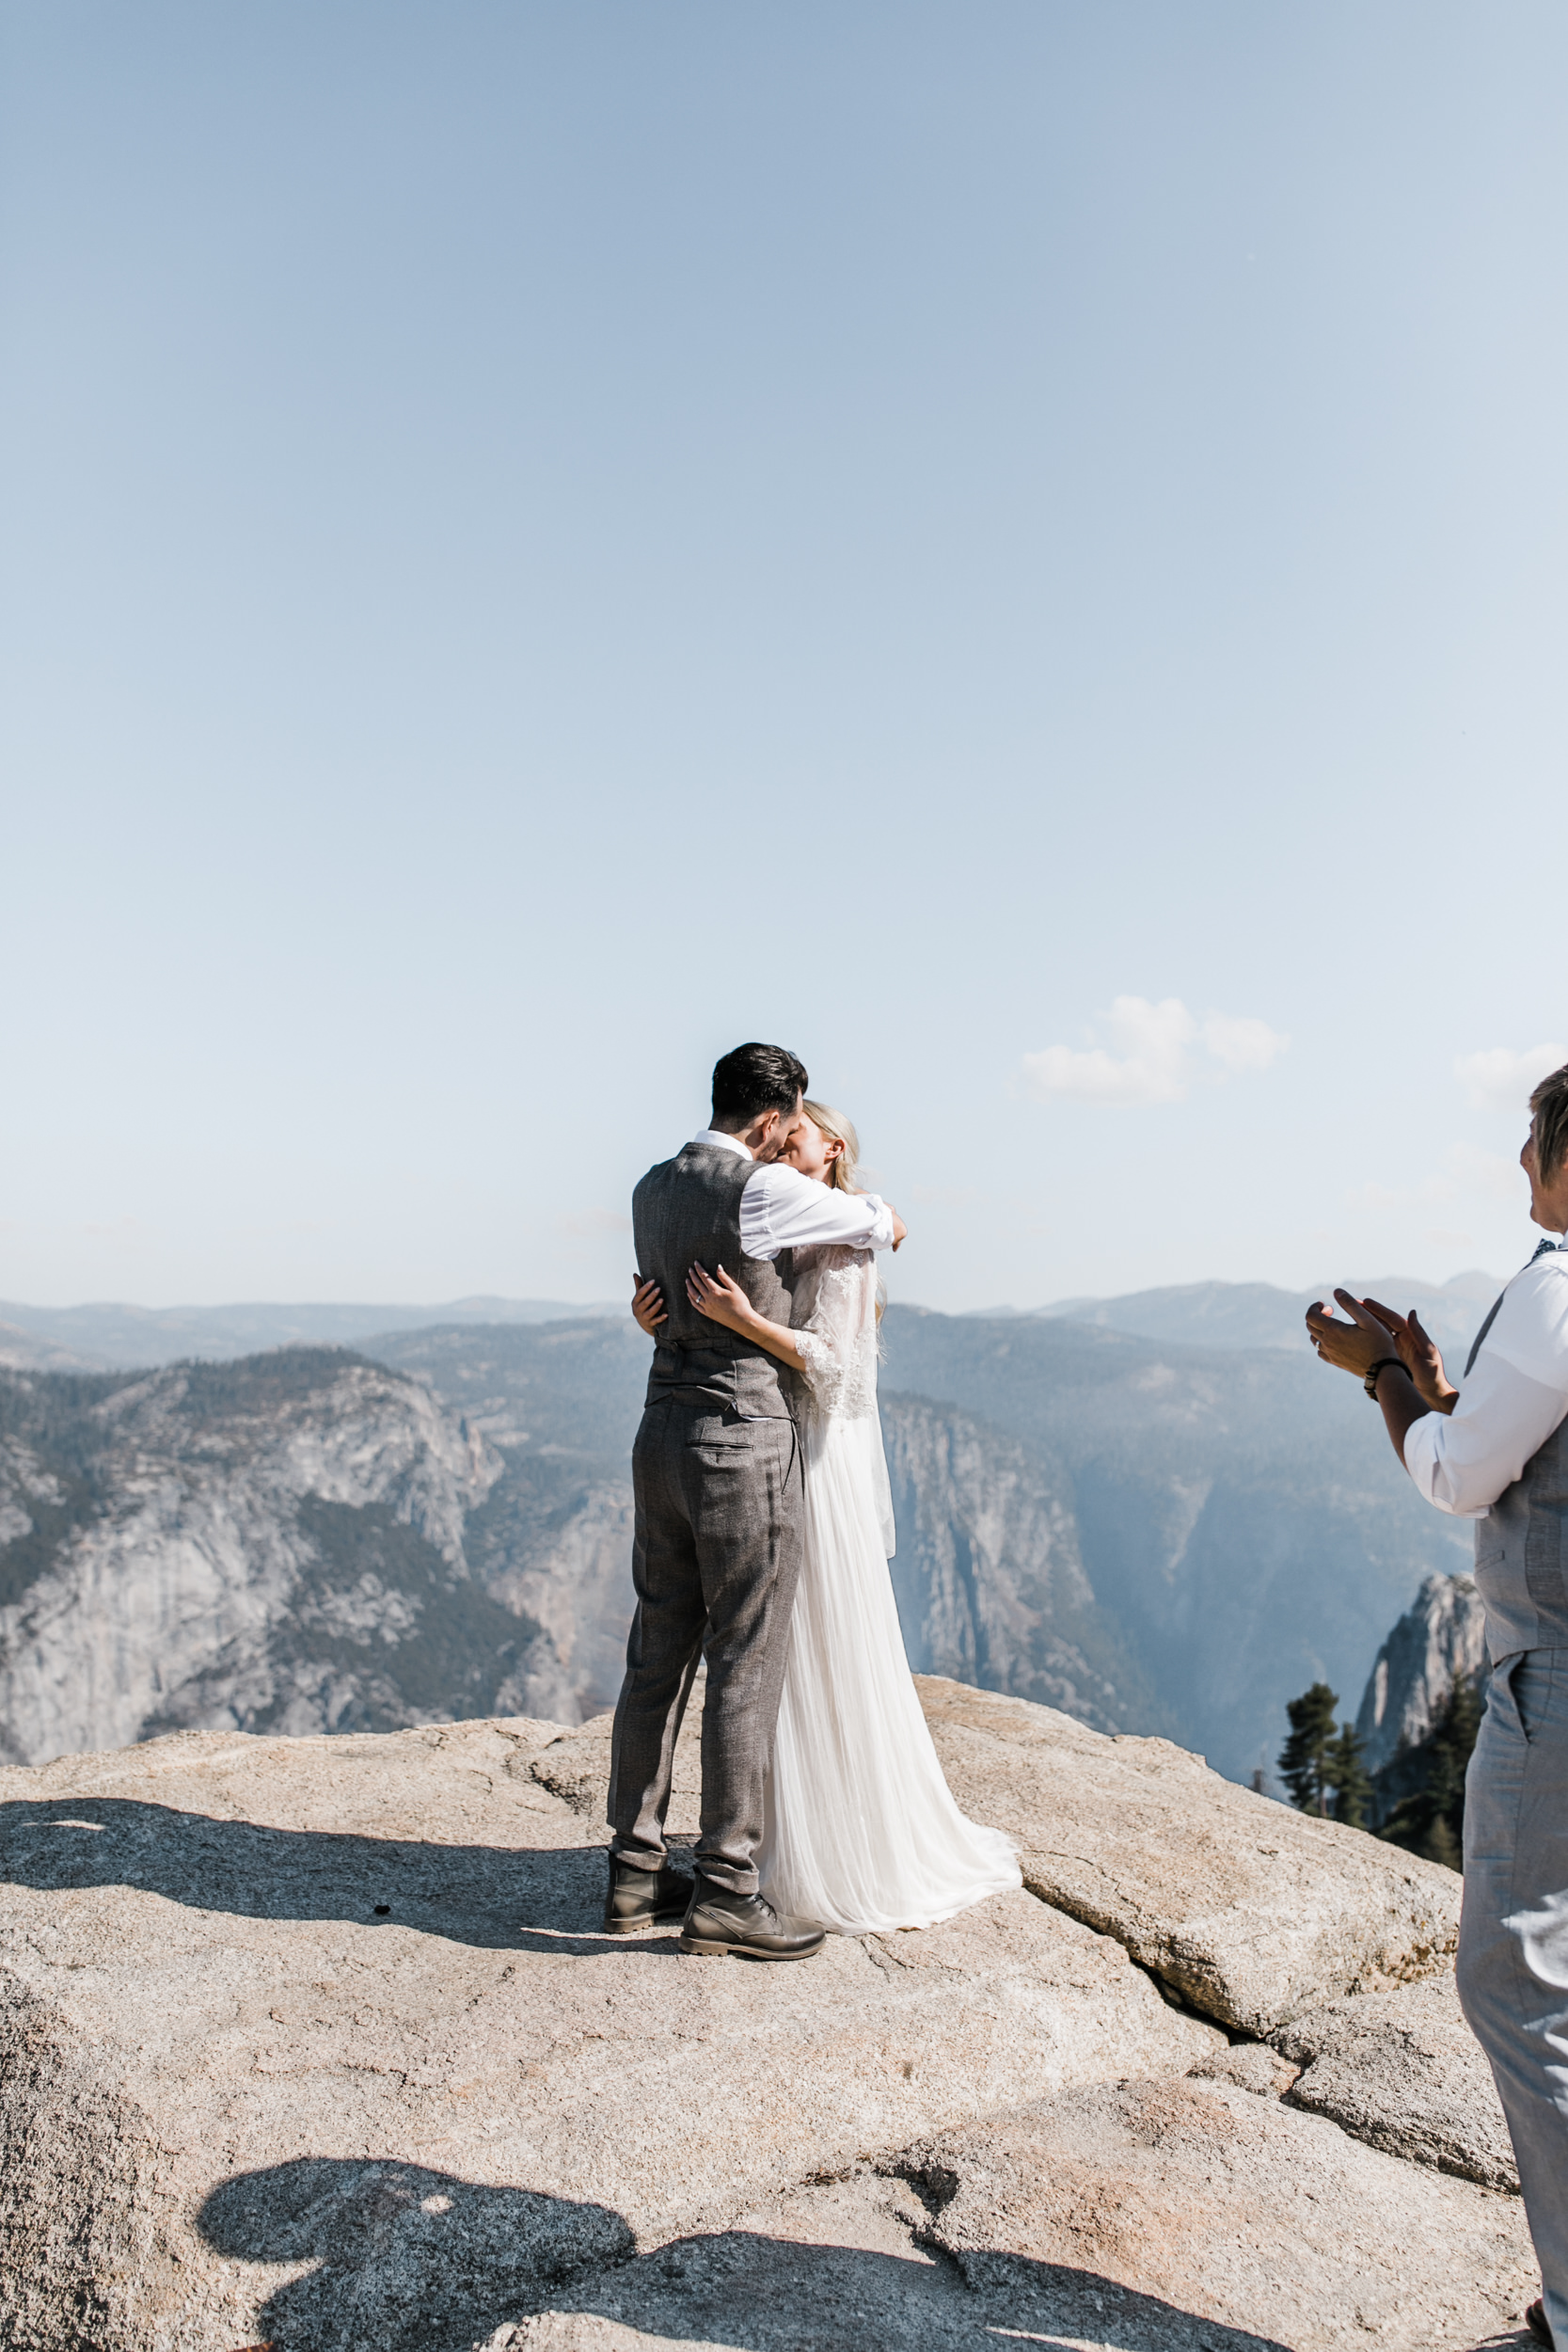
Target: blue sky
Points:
(1018, 550)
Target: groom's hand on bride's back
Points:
(899, 1228)
(647, 1305)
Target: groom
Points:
(716, 1477)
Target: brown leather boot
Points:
(720, 1922)
(636, 1898)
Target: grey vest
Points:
(1522, 1548)
(686, 1209)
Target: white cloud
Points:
(1242, 1044)
(1151, 1054)
(1500, 1080)
(1150, 1067)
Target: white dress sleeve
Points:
(834, 1325)
(834, 1328)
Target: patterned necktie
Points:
(1541, 1246)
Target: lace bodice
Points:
(834, 1319)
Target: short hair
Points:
(1549, 1108)
(755, 1079)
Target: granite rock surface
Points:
(299, 2031)
(1403, 2072)
(1251, 1911)
(318, 2042)
(1216, 2203)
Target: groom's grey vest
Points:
(1522, 1548)
(687, 1209)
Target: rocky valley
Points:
(1149, 1535)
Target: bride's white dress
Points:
(862, 1831)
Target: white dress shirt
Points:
(781, 1208)
(1508, 1406)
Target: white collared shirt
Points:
(781, 1208)
(1508, 1407)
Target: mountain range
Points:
(115, 1336)
(1149, 1535)
(1256, 1315)
(1206, 1315)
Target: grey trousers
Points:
(715, 1562)
(1513, 1937)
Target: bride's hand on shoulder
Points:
(720, 1297)
(647, 1306)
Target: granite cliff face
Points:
(276, 1543)
(989, 1573)
(307, 1541)
(1441, 1636)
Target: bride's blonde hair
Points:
(846, 1169)
(843, 1171)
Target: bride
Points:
(862, 1831)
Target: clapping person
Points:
(1494, 1450)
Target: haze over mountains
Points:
(103, 1338)
(1151, 1534)
(1207, 1314)
(1256, 1315)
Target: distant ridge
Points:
(114, 1337)
(1256, 1315)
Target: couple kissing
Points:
(764, 1526)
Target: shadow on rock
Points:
(401, 2256)
(500, 1898)
(755, 2293)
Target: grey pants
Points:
(1513, 1937)
(716, 1559)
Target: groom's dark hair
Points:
(752, 1080)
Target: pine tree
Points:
(1430, 1822)
(1304, 1760)
(1452, 1739)
(1442, 1846)
(1349, 1778)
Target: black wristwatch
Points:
(1369, 1384)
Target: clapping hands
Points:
(1418, 1351)
(1375, 1331)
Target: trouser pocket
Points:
(1533, 1687)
